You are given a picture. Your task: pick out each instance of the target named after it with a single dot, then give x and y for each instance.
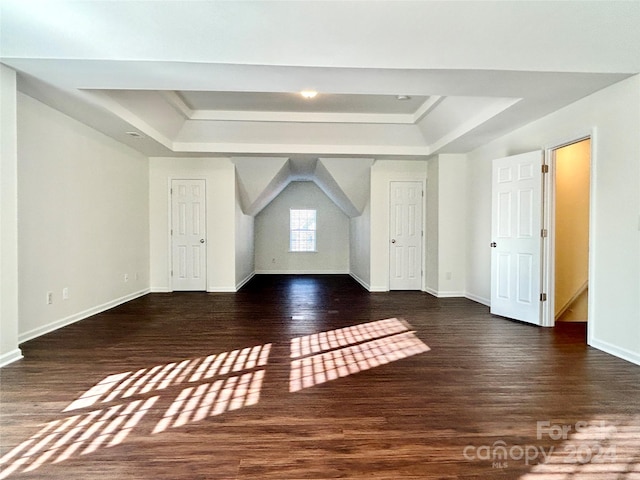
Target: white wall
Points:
(9, 350)
(360, 247)
(83, 219)
(382, 173)
(245, 254)
(219, 174)
(478, 227)
(451, 226)
(613, 114)
(272, 234)
(445, 232)
(431, 228)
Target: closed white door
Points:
(188, 235)
(405, 262)
(517, 237)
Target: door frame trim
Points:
(548, 220)
(170, 180)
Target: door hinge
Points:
(543, 297)
(172, 273)
(544, 233)
(545, 168)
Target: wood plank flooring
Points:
(200, 386)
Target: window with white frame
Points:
(302, 230)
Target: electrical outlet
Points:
(49, 298)
(65, 293)
(448, 275)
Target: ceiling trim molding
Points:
(177, 103)
(189, 113)
(431, 103)
(303, 117)
(111, 105)
(498, 107)
(289, 149)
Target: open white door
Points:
(517, 237)
(188, 235)
(405, 261)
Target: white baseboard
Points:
(245, 280)
(445, 294)
(50, 327)
(364, 284)
(10, 357)
(476, 298)
(470, 296)
(221, 290)
(622, 353)
(160, 290)
(431, 291)
(302, 272)
(450, 294)
(378, 288)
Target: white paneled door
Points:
(405, 262)
(517, 237)
(188, 235)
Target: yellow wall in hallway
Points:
(572, 221)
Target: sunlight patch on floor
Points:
(194, 404)
(85, 433)
(599, 451)
(204, 387)
(350, 350)
(160, 377)
(59, 440)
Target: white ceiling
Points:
(220, 77)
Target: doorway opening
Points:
(569, 225)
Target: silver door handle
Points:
(393, 240)
(202, 240)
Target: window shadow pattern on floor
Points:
(326, 356)
(600, 450)
(234, 381)
(105, 414)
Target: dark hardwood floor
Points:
(247, 386)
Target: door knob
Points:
(494, 244)
(202, 240)
(393, 240)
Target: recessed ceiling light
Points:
(308, 94)
(134, 134)
(402, 97)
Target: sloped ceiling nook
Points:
(344, 181)
(395, 80)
